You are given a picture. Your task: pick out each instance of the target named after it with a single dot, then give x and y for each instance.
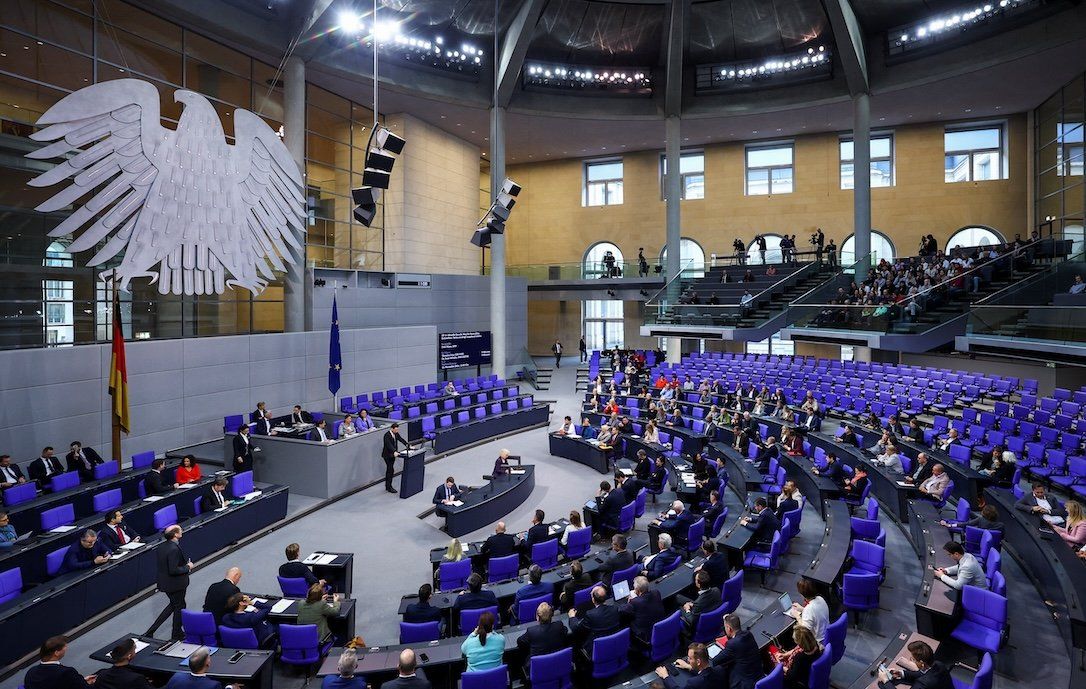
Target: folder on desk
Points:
(281, 605)
(457, 503)
(63, 529)
(152, 498)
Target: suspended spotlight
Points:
(481, 238)
(377, 173)
(365, 199)
(494, 221)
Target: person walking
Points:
(556, 349)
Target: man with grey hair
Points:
(410, 677)
(199, 665)
(659, 564)
(642, 610)
(85, 553)
(618, 558)
(346, 679)
(601, 620)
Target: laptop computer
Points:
(785, 601)
(24, 536)
(621, 590)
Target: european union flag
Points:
(335, 357)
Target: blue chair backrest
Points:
(694, 534)
(583, 596)
(835, 634)
(469, 619)
(551, 671)
(545, 554)
(65, 481)
(238, 638)
(106, 470)
(241, 484)
(502, 568)
(199, 628)
(11, 584)
(164, 517)
(445, 421)
(665, 637)
(578, 543)
(54, 560)
(709, 624)
(820, 669)
(527, 607)
(718, 523)
(610, 654)
(774, 680)
(57, 516)
(412, 632)
(144, 459)
(293, 587)
(860, 591)
(627, 575)
(20, 494)
(732, 594)
(626, 516)
(106, 500)
(494, 678)
(231, 424)
(453, 575)
(983, 607)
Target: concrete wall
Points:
(180, 390)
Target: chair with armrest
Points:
(65, 481)
(293, 587)
(453, 575)
(984, 619)
(835, 634)
(709, 624)
(552, 670)
(526, 608)
(106, 470)
(774, 680)
(610, 654)
(199, 627)
(419, 632)
(545, 554)
(62, 515)
(300, 645)
(161, 518)
(665, 638)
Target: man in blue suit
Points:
(475, 597)
(239, 618)
(704, 674)
(422, 611)
(740, 659)
(678, 524)
(602, 620)
(642, 610)
(611, 503)
(447, 492)
(764, 524)
(85, 553)
(657, 564)
(716, 564)
(535, 588)
(196, 677)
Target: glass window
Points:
(769, 170)
(973, 154)
(881, 248)
(602, 183)
(772, 345)
(882, 162)
(603, 324)
(691, 258)
(973, 236)
(772, 250)
(1069, 149)
(692, 171)
(601, 260)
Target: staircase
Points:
(543, 378)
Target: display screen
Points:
(458, 350)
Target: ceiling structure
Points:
(994, 73)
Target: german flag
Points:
(118, 370)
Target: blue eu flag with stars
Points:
(335, 357)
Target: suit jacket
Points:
(936, 484)
(421, 612)
(742, 659)
(184, 680)
(255, 620)
(663, 559)
(785, 506)
(295, 569)
(13, 468)
(75, 464)
(936, 677)
(263, 426)
(77, 557)
(764, 525)
(613, 562)
(300, 417)
(243, 449)
(921, 473)
(834, 472)
(717, 567)
(419, 681)
(601, 620)
(537, 534)
(642, 612)
(108, 536)
(216, 597)
(210, 500)
(856, 487)
(709, 678)
(501, 467)
(707, 600)
(42, 676)
(122, 677)
(1028, 502)
(643, 469)
(499, 545)
(473, 601)
(388, 450)
(543, 639)
(156, 484)
(439, 493)
(629, 489)
(678, 525)
(611, 507)
(172, 571)
(37, 469)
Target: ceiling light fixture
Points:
(944, 27)
(628, 80)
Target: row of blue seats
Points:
(25, 492)
(407, 395)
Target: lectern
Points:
(414, 472)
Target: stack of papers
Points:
(281, 606)
(183, 486)
(152, 498)
(133, 545)
(63, 529)
(457, 503)
(516, 471)
(320, 559)
(250, 496)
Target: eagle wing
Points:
(112, 128)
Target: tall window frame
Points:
(769, 164)
(879, 244)
(601, 186)
(882, 161)
(691, 254)
(974, 235)
(593, 265)
(982, 160)
(691, 172)
(603, 323)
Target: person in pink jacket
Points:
(1075, 531)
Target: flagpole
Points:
(116, 421)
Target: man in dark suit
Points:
(85, 553)
(929, 673)
(49, 673)
(294, 568)
(299, 415)
(713, 510)
(173, 580)
(120, 675)
(156, 483)
(215, 498)
(763, 523)
(642, 610)
(10, 474)
(601, 620)
(243, 450)
(716, 563)
(657, 565)
(770, 450)
(116, 533)
(848, 437)
(535, 588)
(447, 492)
(45, 467)
(1037, 501)
(545, 637)
(708, 599)
(704, 674)
(538, 532)
(83, 460)
(577, 581)
(833, 470)
(500, 544)
(628, 485)
(388, 453)
(219, 593)
(610, 504)
(921, 470)
(196, 678)
(741, 658)
(678, 522)
(422, 611)
(237, 616)
(475, 597)
(410, 677)
(263, 423)
(617, 559)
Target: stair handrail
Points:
(851, 266)
(676, 276)
(1031, 278)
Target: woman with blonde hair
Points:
(651, 434)
(454, 552)
(1074, 533)
(574, 525)
(797, 662)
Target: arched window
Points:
(595, 264)
(772, 249)
(691, 257)
(881, 247)
(57, 297)
(973, 236)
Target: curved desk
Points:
(936, 601)
(742, 475)
(489, 503)
(579, 450)
(829, 562)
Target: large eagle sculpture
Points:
(186, 208)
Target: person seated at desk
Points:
(7, 532)
(627, 485)
(317, 607)
(797, 661)
(614, 560)
(667, 393)
(501, 464)
(83, 460)
(1075, 531)
(120, 675)
(625, 426)
(260, 411)
(872, 421)
(676, 521)
(45, 467)
(156, 482)
(1078, 286)
(85, 553)
(935, 484)
(929, 673)
(347, 428)
(741, 658)
(890, 458)
(675, 418)
(574, 525)
(263, 424)
(566, 428)
(422, 611)
(48, 673)
(769, 451)
(656, 479)
(763, 523)
(537, 533)
(294, 568)
(451, 390)
(10, 474)
(788, 499)
(484, 647)
(577, 581)
(599, 621)
(642, 468)
(793, 442)
(759, 406)
(237, 616)
(641, 611)
(188, 471)
(657, 564)
(320, 432)
(535, 588)
(116, 533)
(610, 503)
(243, 450)
(814, 613)
(966, 572)
(893, 424)
(914, 432)
(410, 675)
(447, 493)
(988, 519)
(475, 597)
(1037, 501)
(220, 593)
(593, 405)
(948, 441)
(813, 412)
(703, 674)
(651, 435)
(1000, 466)
(832, 471)
(196, 677)
(587, 431)
(215, 498)
(848, 437)
(885, 440)
(854, 487)
(707, 599)
(299, 416)
(454, 552)
(364, 423)
(608, 440)
(345, 677)
(712, 509)
(543, 638)
(499, 544)
(921, 470)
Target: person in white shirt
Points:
(574, 525)
(651, 434)
(1078, 287)
(451, 390)
(814, 613)
(319, 433)
(566, 428)
(967, 572)
(347, 428)
(890, 458)
(745, 302)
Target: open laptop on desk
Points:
(621, 590)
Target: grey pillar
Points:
(673, 197)
(497, 245)
(294, 303)
(861, 161)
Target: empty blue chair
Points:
(835, 634)
(106, 470)
(65, 481)
(54, 560)
(820, 669)
(578, 543)
(774, 680)
(480, 412)
(525, 611)
(984, 617)
(860, 591)
(502, 568)
(413, 633)
(981, 680)
(709, 624)
(551, 671)
(610, 654)
(626, 517)
(57, 516)
(868, 530)
(718, 523)
(164, 517)
(469, 619)
(300, 645)
(545, 554)
(765, 562)
(142, 460)
(453, 575)
(11, 584)
(230, 424)
(732, 592)
(19, 494)
(293, 587)
(428, 430)
(413, 412)
(997, 584)
(196, 509)
(106, 500)
(444, 421)
(199, 627)
(494, 678)
(665, 637)
(627, 575)
(241, 484)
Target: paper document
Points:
(250, 496)
(457, 503)
(63, 529)
(259, 600)
(117, 555)
(516, 471)
(281, 606)
(903, 484)
(626, 472)
(152, 498)
(312, 558)
(183, 486)
(140, 645)
(133, 545)
(179, 649)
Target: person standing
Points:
(243, 450)
(389, 452)
(556, 349)
(583, 349)
(173, 580)
(831, 254)
(760, 239)
(642, 263)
